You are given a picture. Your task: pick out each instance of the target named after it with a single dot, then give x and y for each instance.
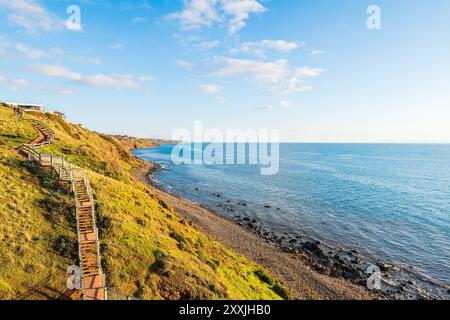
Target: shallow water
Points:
(391, 202)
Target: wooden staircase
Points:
(92, 277)
(46, 133)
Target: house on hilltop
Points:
(27, 106)
(60, 114)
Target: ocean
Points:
(391, 202)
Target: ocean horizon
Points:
(391, 202)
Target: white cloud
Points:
(144, 5)
(208, 45)
(204, 13)
(316, 52)
(280, 45)
(55, 71)
(282, 79)
(146, 78)
(22, 83)
(31, 15)
(115, 81)
(185, 65)
(13, 84)
(197, 14)
(8, 49)
(209, 88)
(294, 85)
(30, 53)
(240, 11)
(308, 72)
(258, 70)
(258, 48)
(138, 20)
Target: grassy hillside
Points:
(147, 250)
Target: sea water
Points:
(389, 201)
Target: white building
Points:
(27, 106)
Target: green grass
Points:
(14, 132)
(147, 250)
(28, 232)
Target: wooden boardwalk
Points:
(92, 276)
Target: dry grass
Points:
(147, 250)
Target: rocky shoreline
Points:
(350, 265)
(337, 263)
(347, 265)
(299, 277)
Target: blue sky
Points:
(309, 68)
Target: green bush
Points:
(160, 261)
(281, 291)
(264, 277)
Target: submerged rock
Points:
(384, 267)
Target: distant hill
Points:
(132, 143)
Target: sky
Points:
(312, 69)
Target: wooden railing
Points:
(80, 175)
(73, 175)
(113, 295)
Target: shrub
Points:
(65, 246)
(160, 261)
(281, 291)
(264, 277)
(182, 246)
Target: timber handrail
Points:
(74, 176)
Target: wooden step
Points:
(86, 224)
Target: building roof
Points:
(25, 104)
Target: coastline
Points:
(294, 269)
